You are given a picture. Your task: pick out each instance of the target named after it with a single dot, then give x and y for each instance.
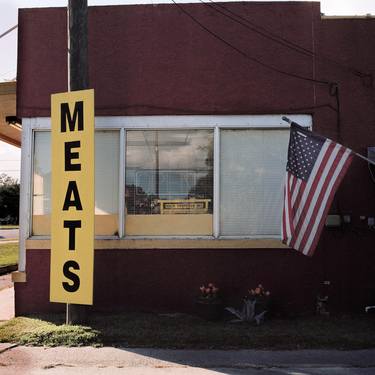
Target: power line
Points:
(8, 31)
(254, 27)
(278, 39)
(333, 86)
(244, 54)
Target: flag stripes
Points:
(321, 215)
(316, 166)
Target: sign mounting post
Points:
(72, 234)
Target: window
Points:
(107, 145)
(188, 176)
(169, 182)
(252, 170)
(42, 184)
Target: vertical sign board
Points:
(72, 229)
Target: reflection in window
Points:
(169, 182)
(107, 146)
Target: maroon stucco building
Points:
(188, 120)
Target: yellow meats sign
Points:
(72, 229)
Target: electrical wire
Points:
(278, 39)
(247, 56)
(254, 27)
(8, 31)
(333, 86)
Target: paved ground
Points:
(53, 361)
(6, 304)
(9, 234)
(6, 281)
(6, 297)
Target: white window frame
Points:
(124, 123)
(43, 126)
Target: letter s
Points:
(71, 276)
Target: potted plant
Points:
(209, 305)
(254, 308)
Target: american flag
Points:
(315, 168)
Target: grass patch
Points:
(8, 253)
(182, 331)
(36, 332)
(147, 330)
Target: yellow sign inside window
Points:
(72, 221)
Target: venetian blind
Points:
(252, 171)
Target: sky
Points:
(9, 155)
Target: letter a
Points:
(76, 201)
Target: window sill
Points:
(156, 243)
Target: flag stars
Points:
(303, 151)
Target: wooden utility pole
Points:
(78, 79)
(78, 45)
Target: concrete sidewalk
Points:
(6, 304)
(6, 297)
(108, 360)
(6, 281)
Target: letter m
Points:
(67, 117)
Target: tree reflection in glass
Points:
(169, 172)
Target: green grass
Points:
(8, 253)
(189, 332)
(28, 331)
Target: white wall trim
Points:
(25, 191)
(121, 187)
(216, 187)
(193, 121)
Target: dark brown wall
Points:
(169, 280)
(148, 60)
